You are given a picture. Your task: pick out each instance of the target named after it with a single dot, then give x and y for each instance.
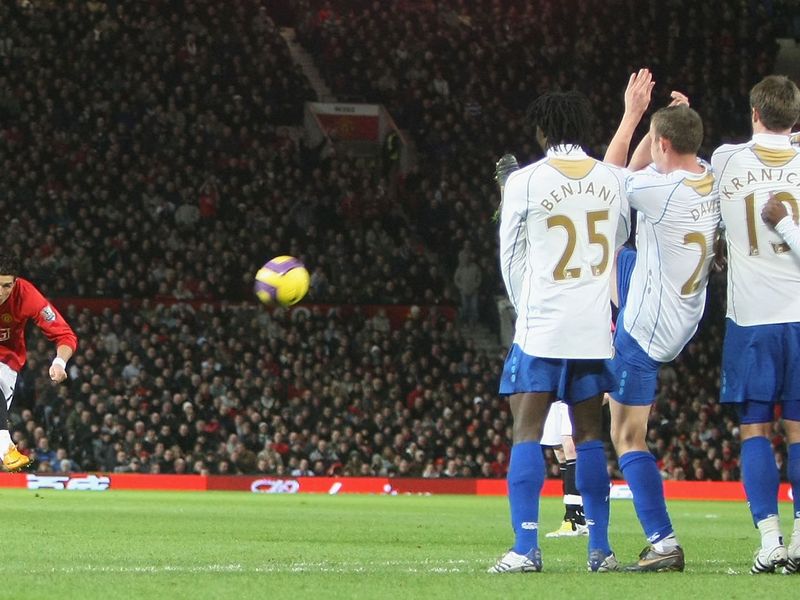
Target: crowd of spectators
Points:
(174, 389)
(458, 75)
(143, 153)
(163, 388)
(147, 153)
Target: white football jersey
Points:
(559, 228)
(677, 222)
(763, 274)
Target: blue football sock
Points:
(525, 479)
(644, 480)
(794, 476)
(760, 477)
(591, 475)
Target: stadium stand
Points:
(147, 154)
(178, 179)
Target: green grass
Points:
(235, 545)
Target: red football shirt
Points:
(26, 303)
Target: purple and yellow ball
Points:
(282, 281)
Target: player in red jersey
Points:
(21, 302)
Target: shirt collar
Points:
(772, 140)
(693, 175)
(566, 151)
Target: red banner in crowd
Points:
(350, 128)
(674, 490)
(348, 122)
(396, 313)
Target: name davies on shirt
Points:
(578, 188)
(705, 208)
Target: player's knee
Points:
(527, 431)
(616, 435)
(587, 432)
(751, 430)
(627, 438)
(792, 429)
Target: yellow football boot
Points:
(569, 528)
(14, 460)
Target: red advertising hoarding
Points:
(267, 484)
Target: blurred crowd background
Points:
(146, 163)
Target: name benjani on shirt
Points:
(567, 190)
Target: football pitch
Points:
(61, 544)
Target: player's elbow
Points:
(70, 341)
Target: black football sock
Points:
(574, 507)
(3, 420)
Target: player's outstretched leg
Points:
(664, 553)
(638, 465)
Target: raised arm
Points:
(637, 99)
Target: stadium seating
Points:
(145, 156)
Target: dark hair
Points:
(563, 117)
(681, 125)
(777, 100)
(9, 265)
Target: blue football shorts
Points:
(572, 380)
(635, 373)
(626, 260)
(760, 369)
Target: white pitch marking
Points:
(423, 566)
(427, 565)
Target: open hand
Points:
(637, 94)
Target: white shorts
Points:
(8, 381)
(556, 425)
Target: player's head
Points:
(775, 104)
(9, 270)
(561, 119)
(675, 130)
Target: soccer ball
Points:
(283, 281)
